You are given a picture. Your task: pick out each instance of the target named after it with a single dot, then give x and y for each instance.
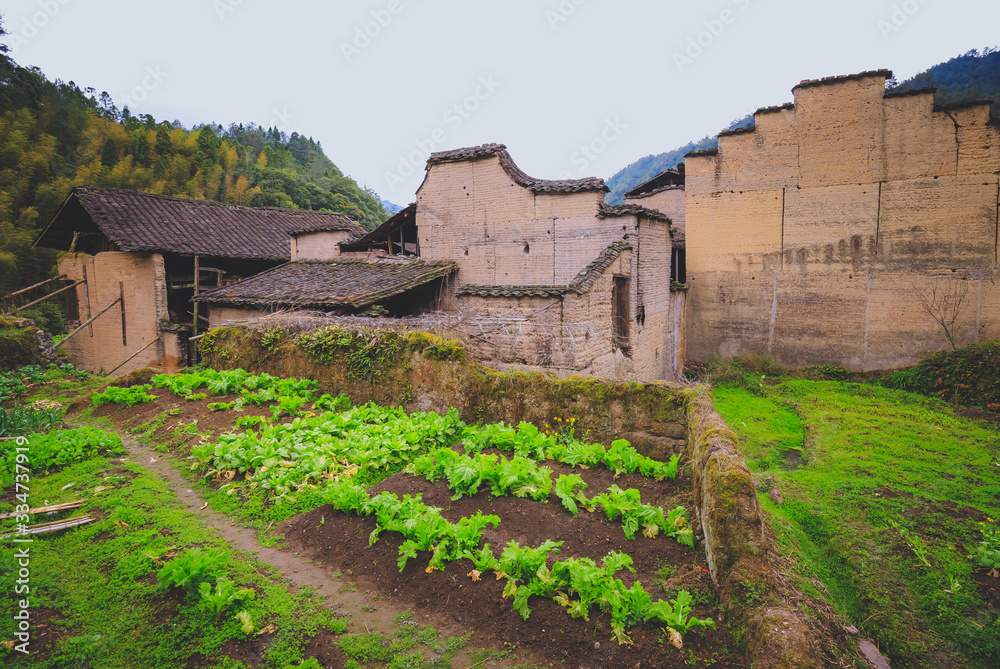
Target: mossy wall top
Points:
(422, 372)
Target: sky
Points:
(574, 88)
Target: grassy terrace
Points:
(885, 496)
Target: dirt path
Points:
(368, 612)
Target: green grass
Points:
(100, 578)
(879, 484)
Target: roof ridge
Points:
(628, 209)
(516, 173)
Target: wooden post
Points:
(89, 321)
(197, 289)
(121, 300)
(86, 298)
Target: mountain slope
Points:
(55, 135)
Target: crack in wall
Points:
(878, 217)
(958, 146)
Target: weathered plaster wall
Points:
(143, 279)
(819, 236)
(317, 245)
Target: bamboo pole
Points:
(37, 285)
(121, 299)
(46, 509)
(88, 322)
(129, 359)
(42, 299)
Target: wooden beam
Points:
(42, 299)
(121, 299)
(86, 323)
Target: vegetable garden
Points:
(537, 539)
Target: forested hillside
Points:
(974, 75)
(55, 135)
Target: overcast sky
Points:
(381, 82)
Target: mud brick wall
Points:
(317, 245)
(820, 235)
(500, 233)
(144, 280)
(669, 201)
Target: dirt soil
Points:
(335, 539)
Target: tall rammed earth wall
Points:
(422, 372)
(832, 229)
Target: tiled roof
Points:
(910, 91)
(806, 83)
(339, 282)
(519, 177)
(701, 152)
(738, 131)
(581, 284)
(141, 222)
(964, 104)
(665, 180)
(775, 108)
(401, 217)
(606, 211)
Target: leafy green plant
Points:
(125, 396)
(191, 569)
(20, 419)
(988, 550)
(569, 489)
(222, 596)
(56, 449)
(246, 622)
(677, 618)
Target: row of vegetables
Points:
(577, 584)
